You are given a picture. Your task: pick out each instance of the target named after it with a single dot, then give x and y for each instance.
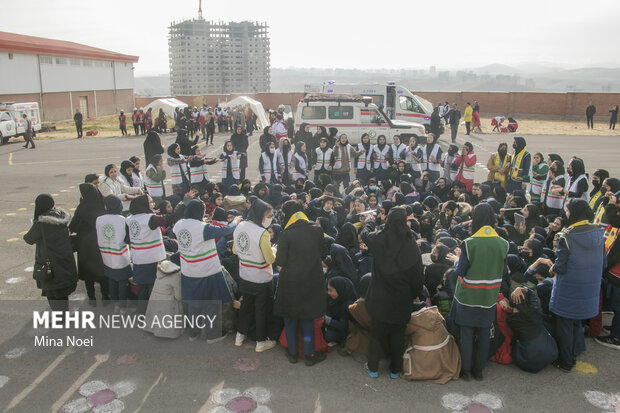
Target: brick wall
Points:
(530, 104)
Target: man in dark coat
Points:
(300, 296)
(77, 118)
(590, 111)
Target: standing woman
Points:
(252, 244)
(300, 294)
(480, 270)
(152, 145)
(147, 246)
(201, 271)
(126, 177)
(231, 165)
(397, 279)
(381, 157)
(269, 165)
(154, 179)
(578, 266)
(179, 171)
(54, 265)
(240, 144)
(363, 162)
(323, 160)
(301, 162)
(90, 264)
(111, 234)
(122, 123)
(288, 161)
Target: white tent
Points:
(255, 105)
(167, 104)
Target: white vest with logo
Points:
(323, 159)
(111, 230)
(397, 151)
(572, 187)
(270, 167)
(381, 161)
(364, 161)
(415, 165)
(300, 163)
(431, 166)
(252, 265)
(125, 202)
(289, 162)
(552, 200)
(176, 172)
(198, 257)
(138, 181)
(147, 245)
(198, 173)
(234, 165)
(154, 188)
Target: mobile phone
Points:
(519, 219)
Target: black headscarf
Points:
(274, 197)
(42, 204)
(442, 252)
(171, 150)
(399, 198)
(579, 211)
(108, 168)
(482, 215)
(91, 204)
(555, 157)
(140, 205)
(520, 144)
(289, 208)
(257, 212)
(387, 205)
(577, 168)
(234, 190)
(277, 229)
(400, 244)
(124, 166)
(155, 160)
(219, 214)
(298, 151)
(346, 296)
(195, 209)
(113, 205)
(602, 174)
(226, 151)
(347, 236)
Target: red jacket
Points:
(466, 164)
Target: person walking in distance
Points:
(77, 118)
(467, 116)
(590, 111)
(454, 116)
(122, 123)
(613, 118)
(28, 132)
(134, 120)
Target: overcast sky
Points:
(347, 34)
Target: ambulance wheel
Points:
(4, 139)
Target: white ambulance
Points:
(12, 121)
(397, 101)
(354, 115)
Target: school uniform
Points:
(111, 234)
(268, 167)
(165, 301)
(231, 168)
(363, 164)
(323, 161)
(381, 163)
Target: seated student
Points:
(340, 264)
(533, 346)
(434, 273)
(341, 294)
(326, 210)
(165, 299)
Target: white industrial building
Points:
(63, 76)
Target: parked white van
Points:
(354, 115)
(397, 101)
(12, 121)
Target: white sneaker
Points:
(265, 345)
(239, 339)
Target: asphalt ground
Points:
(135, 372)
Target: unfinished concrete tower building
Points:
(216, 57)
